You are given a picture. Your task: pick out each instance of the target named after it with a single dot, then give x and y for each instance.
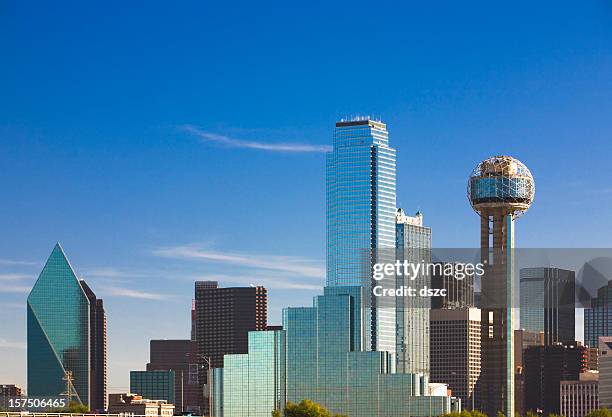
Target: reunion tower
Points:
(500, 189)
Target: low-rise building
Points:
(578, 398)
(129, 403)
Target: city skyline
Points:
(193, 180)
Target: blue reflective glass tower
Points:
(58, 331)
(361, 204)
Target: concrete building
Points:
(605, 372)
(547, 303)
(8, 391)
(522, 340)
(499, 189)
(135, 404)
(459, 292)
(578, 398)
(179, 356)
(455, 352)
(545, 368)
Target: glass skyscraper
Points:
(413, 245)
(598, 318)
(547, 303)
(361, 204)
(58, 321)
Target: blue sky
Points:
(162, 143)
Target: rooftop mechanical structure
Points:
(500, 189)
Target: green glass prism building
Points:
(62, 329)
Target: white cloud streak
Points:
(14, 289)
(264, 146)
(131, 293)
(16, 263)
(14, 277)
(270, 282)
(288, 264)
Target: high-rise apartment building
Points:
(181, 357)
(455, 352)
(361, 205)
(545, 368)
(547, 303)
(413, 245)
(66, 335)
(597, 322)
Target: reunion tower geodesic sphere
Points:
(501, 183)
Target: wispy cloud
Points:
(131, 293)
(251, 144)
(14, 277)
(288, 264)
(14, 289)
(16, 263)
(270, 282)
(11, 344)
(4, 305)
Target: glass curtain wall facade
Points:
(154, 385)
(325, 365)
(361, 204)
(547, 303)
(58, 325)
(598, 318)
(413, 243)
(253, 384)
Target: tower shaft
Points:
(497, 331)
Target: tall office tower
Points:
(455, 352)
(413, 244)
(605, 371)
(181, 357)
(500, 188)
(97, 347)
(547, 303)
(66, 335)
(545, 368)
(522, 340)
(360, 189)
(459, 290)
(596, 323)
(580, 397)
(224, 317)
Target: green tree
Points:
(600, 412)
(531, 414)
(305, 408)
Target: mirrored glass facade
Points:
(253, 384)
(154, 385)
(361, 203)
(414, 246)
(58, 331)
